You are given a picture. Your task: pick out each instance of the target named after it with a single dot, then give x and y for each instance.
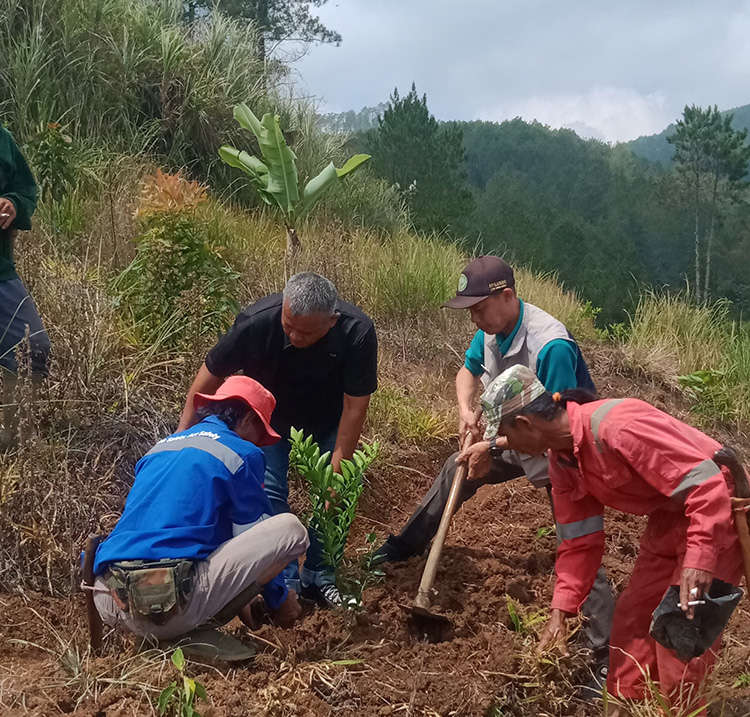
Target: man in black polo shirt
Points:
(318, 356)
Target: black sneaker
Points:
(327, 596)
(593, 690)
(394, 550)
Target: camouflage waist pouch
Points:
(152, 589)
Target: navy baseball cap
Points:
(481, 278)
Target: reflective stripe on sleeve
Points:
(568, 531)
(598, 416)
(226, 455)
(695, 476)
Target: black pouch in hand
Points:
(691, 638)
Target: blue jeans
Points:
(17, 310)
(277, 489)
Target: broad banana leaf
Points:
(282, 165)
(330, 175)
(352, 163)
(252, 166)
(247, 120)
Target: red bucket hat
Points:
(253, 394)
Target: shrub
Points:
(178, 286)
(333, 496)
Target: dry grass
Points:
(110, 397)
(670, 336)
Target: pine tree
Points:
(412, 150)
(712, 158)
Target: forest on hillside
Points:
(607, 221)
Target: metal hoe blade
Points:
(428, 626)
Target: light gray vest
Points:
(537, 329)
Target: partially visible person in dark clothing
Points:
(18, 196)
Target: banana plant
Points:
(275, 177)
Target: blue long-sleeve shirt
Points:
(193, 491)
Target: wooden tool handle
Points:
(727, 456)
(433, 559)
(92, 614)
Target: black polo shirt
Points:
(309, 384)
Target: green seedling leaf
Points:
(178, 659)
(165, 696)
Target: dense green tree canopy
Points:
(711, 158)
(425, 160)
(603, 219)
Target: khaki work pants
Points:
(223, 575)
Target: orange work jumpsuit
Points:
(635, 458)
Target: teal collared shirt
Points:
(555, 367)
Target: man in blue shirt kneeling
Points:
(197, 539)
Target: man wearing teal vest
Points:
(510, 332)
(18, 195)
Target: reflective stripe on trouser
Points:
(421, 527)
(277, 490)
(231, 568)
(587, 526)
(633, 651)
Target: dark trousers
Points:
(421, 527)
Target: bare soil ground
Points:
(371, 663)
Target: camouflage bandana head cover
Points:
(512, 390)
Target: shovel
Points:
(727, 456)
(429, 625)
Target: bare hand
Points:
(555, 634)
(468, 422)
(693, 584)
(478, 459)
(7, 212)
(288, 612)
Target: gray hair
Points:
(310, 293)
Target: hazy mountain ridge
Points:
(656, 148)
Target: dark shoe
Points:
(394, 550)
(327, 596)
(593, 690)
(205, 643)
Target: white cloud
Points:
(609, 113)
(620, 69)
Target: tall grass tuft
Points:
(131, 75)
(670, 336)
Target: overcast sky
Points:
(612, 70)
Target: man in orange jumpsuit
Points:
(630, 456)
